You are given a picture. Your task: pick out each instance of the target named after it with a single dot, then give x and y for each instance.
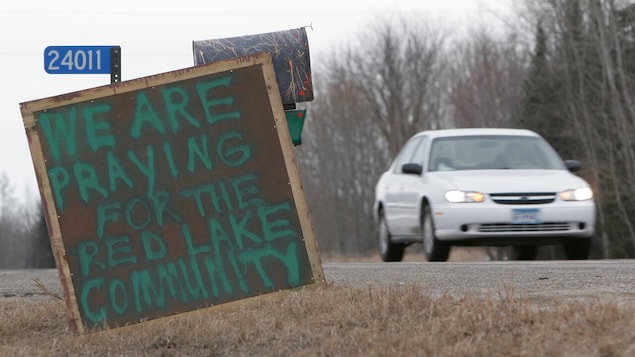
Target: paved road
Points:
(605, 279)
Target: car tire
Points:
(577, 249)
(434, 249)
(388, 250)
(524, 252)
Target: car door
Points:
(395, 204)
(411, 191)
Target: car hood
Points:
(490, 181)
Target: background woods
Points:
(563, 68)
(24, 241)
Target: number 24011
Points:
(77, 59)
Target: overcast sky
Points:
(157, 37)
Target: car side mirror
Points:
(573, 165)
(412, 168)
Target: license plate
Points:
(525, 215)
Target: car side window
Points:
(406, 154)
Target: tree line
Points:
(24, 238)
(562, 68)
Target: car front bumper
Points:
(489, 221)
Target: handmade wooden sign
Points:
(172, 193)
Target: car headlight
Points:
(458, 196)
(579, 194)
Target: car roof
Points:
(476, 131)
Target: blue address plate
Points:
(77, 59)
(525, 216)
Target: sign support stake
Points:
(115, 64)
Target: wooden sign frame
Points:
(172, 193)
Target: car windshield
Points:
(492, 153)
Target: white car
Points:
(482, 187)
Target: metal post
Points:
(115, 64)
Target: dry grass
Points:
(340, 321)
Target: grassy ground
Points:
(340, 321)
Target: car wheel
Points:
(577, 249)
(524, 252)
(434, 249)
(388, 250)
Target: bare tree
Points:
(15, 243)
(42, 256)
(369, 99)
(589, 41)
(400, 73)
(24, 238)
(486, 80)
